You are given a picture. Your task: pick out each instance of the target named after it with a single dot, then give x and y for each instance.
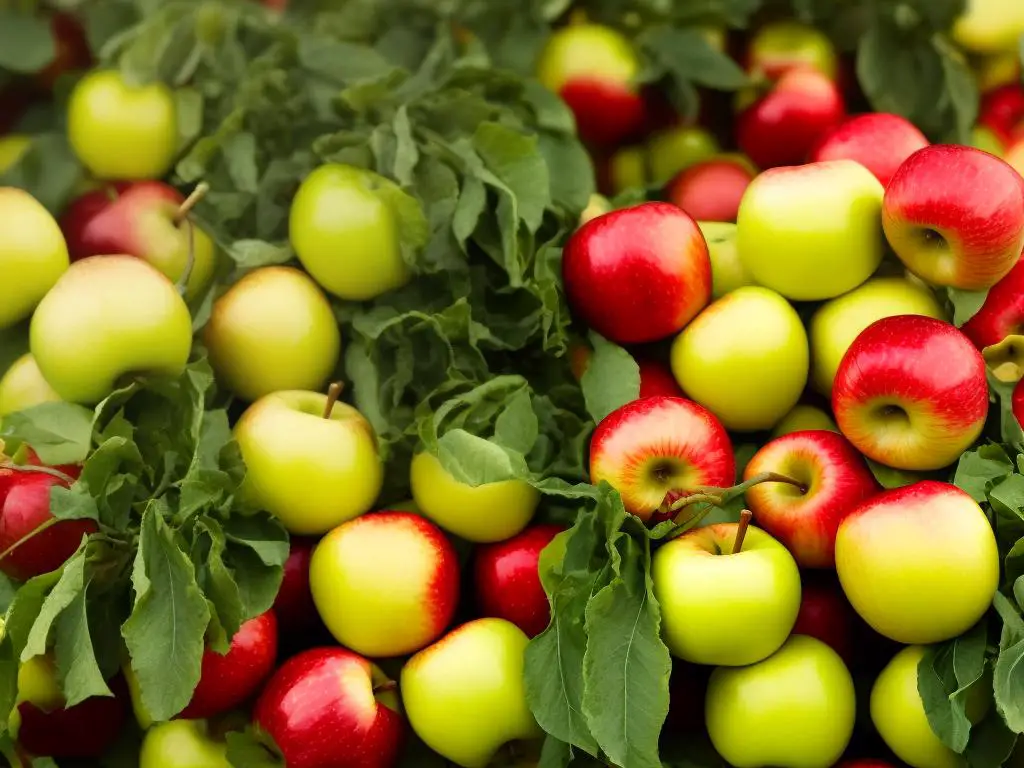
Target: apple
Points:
(836, 324)
(710, 190)
(722, 605)
(78, 213)
(676, 148)
(989, 26)
(1002, 111)
(992, 71)
(465, 696)
(780, 46)
(911, 392)
(795, 709)
(826, 614)
(744, 358)
(23, 386)
(294, 607)
(182, 744)
(311, 462)
(966, 235)
(1001, 315)
(818, 258)
(727, 271)
(507, 579)
(918, 563)
(986, 140)
(637, 274)
(109, 317)
(330, 708)
(1017, 403)
(33, 254)
(122, 131)
(12, 147)
(272, 331)
(455, 505)
(599, 204)
(627, 169)
(802, 418)
(879, 141)
(658, 448)
(656, 379)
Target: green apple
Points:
(671, 150)
(311, 470)
(12, 147)
(744, 358)
(782, 45)
(23, 386)
(804, 417)
(811, 256)
(985, 139)
(627, 168)
(33, 254)
(727, 271)
(838, 322)
(109, 317)
(345, 232)
(718, 607)
(795, 709)
(120, 131)
(482, 513)
(464, 695)
(272, 331)
(182, 744)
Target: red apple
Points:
(656, 380)
(508, 581)
(80, 212)
(329, 708)
(293, 606)
(637, 274)
(834, 479)
(1002, 111)
(228, 680)
(1002, 313)
(660, 447)
(911, 393)
(826, 614)
(955, 216)
(879, 141)
(1017, 402)
(711, 189)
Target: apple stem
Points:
(36, 468)
(333, 393)
(189, 203)
(190, 262)
(387, 685)
(741, 531)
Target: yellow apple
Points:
(182, 744)
(802, 418)
(23, 386)
(727, 271)
(989, 26)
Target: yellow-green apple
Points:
(456, 506)
(345, 232)
(676, 148)
(1002, 314)
(989, 26)
(833, 479)
(182, 744)
(122, 131)
(749, 329)
(911, 392)
(33, 254)
(12, 147)
(464, 695)
(385, 584)
(783, 45)
(107, 318)
(627, 169)
(656, 379)
(311, 462)
(637, 274)
(598, 205)
(838, 322)
(879, 141)
(795, 709)
(826, 614)
(727, 271)
(594, 69)
(802, 418)
(724, 607)
(966, 235)
(806, 260)
(331, 707)
(711, 190)
(23, 386)
(658, 449)
(918, 563)
(985, 139)
(273, 330)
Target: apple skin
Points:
(795, 709)
(1002, 314)
(465, 696)
(656, 379)
(803, 260)
(835, 480)
(720, 608)
(310, 472)
(294, 607)
(1002, 111)
(637, 274)
(1017, 403)
(780, 46)
(988, 26)
(918, 563)
(711, 190)
(911, 393)
(507, 579)
(78, 214)
(985, 139)
(12, 147)
(657, 447)
(33, 254)
(120, 131)
(182, 744)
(826, 614)
(272, 331)
(727, 270)
(966, 235)
(750, 329)
(802, 418)
(23, 386)
(626, 169)
(675, 148)
(385, 584)
(879, 141)
(330, 708)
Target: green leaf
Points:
(474, 460)
(26, 41)
(1008, 673)
(689, 57)
(611, 380)
(965, 304)
(991, 743)
(249, 749)
(60, 433)
(555, 753)
(68, 587)
(49, 171)
(514, 158)
(945, 673)
(516, 426)
(979, 469)
(78, 668)
(249, 254)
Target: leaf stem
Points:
(741, 531)
(333, 393)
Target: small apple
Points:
(1002, 111)
(656, 379)
(989, 26)
(911, 392)
(879, 141)
(456, 506)
(795, 709)
(780, 46)
(658, 448)
(674, 149)
(711, 190)
(802, 418)
(12, 147)
(311, 462)
(966, 235)
(826, 614)
(918, 563)
(744, 358)
(330, 708)
(727, 271)
(182, 744)
(464, 695)
(834, 252)
(1002, 314)
(637, 274)
(598, 205)
(294, 607)
(23, 386)
(627, 169)
(273, 330)
(121, 131)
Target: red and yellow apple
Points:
(879, 141)
(779, 46)
(711, 190)
(1002, 314)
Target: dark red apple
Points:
(1002, 314)
(656, 380)
(879, 141)
(294, 605)
(1017, 402)
(1002, 111)
(826, 614)
(78, 216)
(71, 50)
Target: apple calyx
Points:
(333, 393)
(741, 531)
(1006, 359)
